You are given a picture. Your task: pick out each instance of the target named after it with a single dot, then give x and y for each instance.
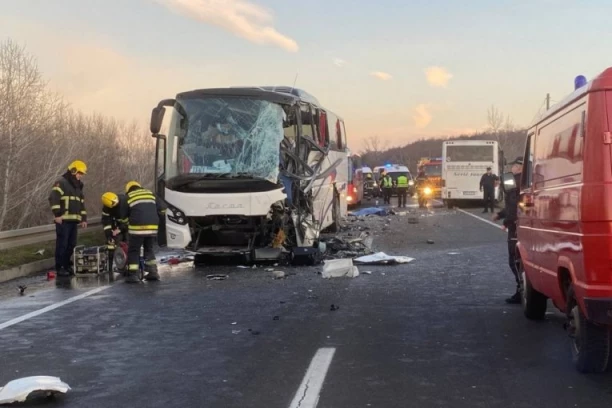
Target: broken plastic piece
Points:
(18, 390)
(336, 268)
(382, 258)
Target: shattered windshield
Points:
(226, 137)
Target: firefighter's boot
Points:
(132, 274)
(151, 268)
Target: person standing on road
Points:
(488, 181)
(144, 211)
(402, 190)
(68, 206)
(510, 216)
(387, 187)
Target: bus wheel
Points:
(449, 204)
(590, 343)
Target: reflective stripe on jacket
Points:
(144, 210)
(387, 182)
(67, 199)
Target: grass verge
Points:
(10, 258)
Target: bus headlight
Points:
(427, 191)
(411, 183)
(349, 198)
(176, 216)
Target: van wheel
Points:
(590, 343)
(336, 223)
(534, 303)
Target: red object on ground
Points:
(173, 261)
(50, 275)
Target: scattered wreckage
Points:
(22, 389)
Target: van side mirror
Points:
(157, 117)
(509, 182)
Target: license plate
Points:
(469, 193)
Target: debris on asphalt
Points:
(370, 211)
(20, 389)
(348, 246)
(380, 258)
(279, 274)
(22, 289)
(236, 331)
(367, 272)
(217, 277)
(40, 252)
(333, 308)
(276, 318)
(254, 332)
(430, 241)
(337, 268)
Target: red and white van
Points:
(565, 219)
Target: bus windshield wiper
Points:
(195, 179)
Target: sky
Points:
(393, 69)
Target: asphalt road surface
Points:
(432, 333)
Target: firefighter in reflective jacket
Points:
(68, 206)
(144, 211)
(115, 222)
(402, 190)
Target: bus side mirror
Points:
(157, 116)
(509, 182)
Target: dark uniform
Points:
(115, 218)
(144, 210)
(387, 188)
(487, 186)
(510, 216)
(68, 202)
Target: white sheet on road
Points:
(19, 389)
(383, 259)
(337, 268)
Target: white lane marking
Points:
(54, 306)
(307, 396)
(480, 218)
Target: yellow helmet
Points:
(131, 184)
(110, 200)
(78, 166)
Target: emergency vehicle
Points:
(432, 168)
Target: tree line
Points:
(40, 134)
(500, 128)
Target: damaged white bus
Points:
(251, 171)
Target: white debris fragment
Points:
(279, 274)
(19, 389)
(382, 258)
(336, 268)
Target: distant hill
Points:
(512, 142)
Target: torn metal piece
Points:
(18, 390)
(217, 277)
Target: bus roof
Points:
(277, 94)
(601, 82)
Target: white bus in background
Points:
(463, 164)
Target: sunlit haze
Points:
(395, 69)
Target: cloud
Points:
(241, 18)
(339, 62)
(438, 76)
(422, 116)
(383, 76)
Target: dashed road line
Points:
(307, 396)
(54, 306)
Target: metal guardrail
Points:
(43, 233)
